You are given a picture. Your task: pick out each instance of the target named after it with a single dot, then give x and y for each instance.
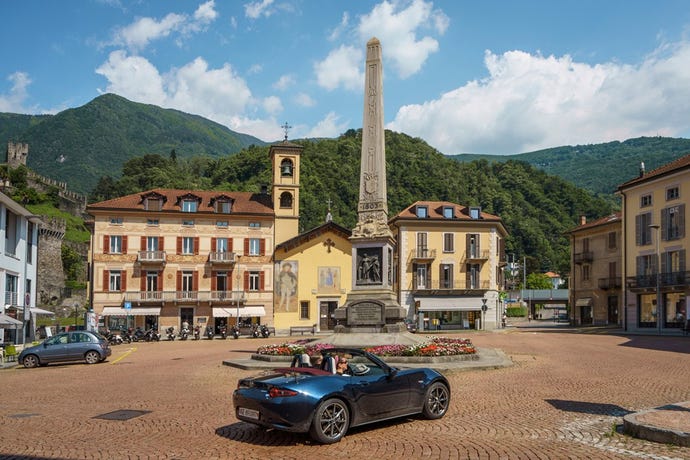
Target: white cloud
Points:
(328, 127)
(143, 31)
(259, 8)
(14, 100)
(254, 69)
(265, 129)
(304, 100)
(284, 82)
(529, 102)
(397, 29)
(340, 68)
(340, 28)
(216, 94)
(272, 105)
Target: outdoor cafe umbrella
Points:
(9, 321)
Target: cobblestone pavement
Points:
(564, 398)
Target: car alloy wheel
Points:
(30, 361)
(92, 357)
(436, 401)
(331, 421)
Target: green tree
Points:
(538, 281)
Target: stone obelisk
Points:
(371, 305)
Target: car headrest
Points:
(359, 369)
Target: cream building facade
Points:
(655, 249)
(450, 261)
(595, 278)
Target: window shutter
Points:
(123, 281)
(179, 245)
(213, 245)
(229, 244)
(681, 221)
(681, 265)
(159, 281)
(665, 262)
(124, 244)
(195, 281)
(246, 246)
(468, 246)
(664, 225)
(246, 281)
(214, 281)
(262, 247)
(196, 245)
(638, 231)
(142, 284)
(142, 244)
(178, 286)
(261, 280)
(468, 276)
(106, 280)
(106, 244)
(160, 243)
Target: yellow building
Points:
(450, 262)
(655, 248)
(313, 273)
(595, 280)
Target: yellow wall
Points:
(308, 258)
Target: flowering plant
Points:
(437, 346)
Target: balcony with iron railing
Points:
(477, 254)
(221, 258)
(456, 285)
(422, 253)
(159, 297)
(583, 257)
(610, 283)
(151, 257)
(665, 280)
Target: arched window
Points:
(286, 168)
(286, 200)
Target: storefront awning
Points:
(119, 311)
(245, 312)
(583, 302)
(40, 311)
(6, 320)
(449, 303)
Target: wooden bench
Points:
(303, 329)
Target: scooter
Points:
(235, 332)
(127, 335)
(113, 339)
(255, 331)
(171, 333)
(197, 332)
(265, 332)
(139, 335)
(209, 332)
(152, 335)
(223, 332)
(184, 333)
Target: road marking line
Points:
(131, 350)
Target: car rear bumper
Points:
(286, 417)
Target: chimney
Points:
(641, 168)
(583, 219)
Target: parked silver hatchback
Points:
(67, 346)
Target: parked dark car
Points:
(67, 346)
(411, 325)
(326, 404)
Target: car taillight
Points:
(276, 392)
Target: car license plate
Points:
(249, 413)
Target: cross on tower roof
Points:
(286, 128)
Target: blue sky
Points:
(496, 77)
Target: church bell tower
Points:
(285, 160)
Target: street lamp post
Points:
(659, 310)
(237, 284)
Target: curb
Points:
(647, 424)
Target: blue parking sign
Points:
(128, 305)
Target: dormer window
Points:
(447, 212)
(422, 212)
(189, 205)
(286, 168)
(475, 212)
(223, 207)
(153, 204)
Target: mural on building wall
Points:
(329, 280)
(286, 276)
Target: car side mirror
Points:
(392, 372)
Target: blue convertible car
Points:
(350, 387)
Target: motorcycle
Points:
(197, 332)
(209, 332)
(152, 335)
(223, 332)
(235, 332)
(113, 339)
(127, 335)
(139, 335)
(255, 332)
(171, 333)
(184, 333)
(265, 332)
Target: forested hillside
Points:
(536, 208)
(600, 168)
(80, 145)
